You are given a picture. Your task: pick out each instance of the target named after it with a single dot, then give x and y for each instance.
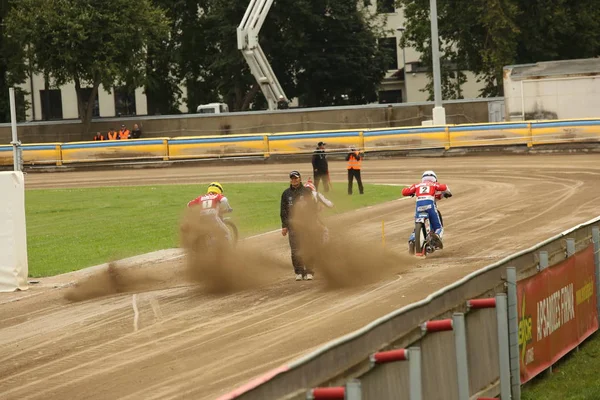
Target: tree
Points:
(558, 30)
(339, 59)
(475, 35)
(325, 53)
(10, 59)
(88, 42)
(483, 36)
(164, 62)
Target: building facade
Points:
(403, 83)
(406, 78)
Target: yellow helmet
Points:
(215, 187)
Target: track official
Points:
(296, 195)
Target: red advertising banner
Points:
(557, 311)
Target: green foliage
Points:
(87, 42)
(475, 35)
(575, 377)
(483, 36)
(12, 71)
(558, 29)
(322, 52)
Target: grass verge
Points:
(70, 229)
(575, 377)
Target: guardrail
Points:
(484, 335)
(264, 145)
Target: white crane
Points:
(247, 38)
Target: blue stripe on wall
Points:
(176, 141)
(25, 148)
(404, 131)
(318, 135)
(569, 123)
(487, 127)
(109, 143)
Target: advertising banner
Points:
(557, 311)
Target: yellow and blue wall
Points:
(267, 144)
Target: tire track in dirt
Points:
(497, 196)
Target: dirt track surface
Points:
(185, 343)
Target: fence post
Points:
(353, 390)
(513, 333)
(460, 342)
(596, 240)
(414, 370)
(503, 346)
(570, 247)
(543, 261)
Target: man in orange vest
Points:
(112, 134)
(354, 159)
(123, 133)
(99, 136)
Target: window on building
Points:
(85, 93)
(124, 101)
(390, 49)
(51, 104)
(386, 6)
(390, 96)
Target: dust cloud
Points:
(341, 256)
(114, 279)
(220, 268)
(343, 260)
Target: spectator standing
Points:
(124, 133)
(136, 132)
(112, 134)
(320, 167)
(354, 159)
(98, 136)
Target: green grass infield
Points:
(575, 377)
(70, 229)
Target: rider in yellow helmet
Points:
(214, 203)
(215, 187)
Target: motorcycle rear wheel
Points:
(420, 240)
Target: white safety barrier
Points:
(13, 237)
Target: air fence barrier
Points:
(264, 145)
(479, 338)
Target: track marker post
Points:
(513, 333)
(351, 391)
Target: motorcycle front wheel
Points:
(233, 230)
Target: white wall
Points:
(141, 102)
(13, 236)
(552, 97)
(106, 101)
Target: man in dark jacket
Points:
(320, 167)
(293, 197)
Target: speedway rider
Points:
(427, 192)
(321, 201)
(214, 204)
